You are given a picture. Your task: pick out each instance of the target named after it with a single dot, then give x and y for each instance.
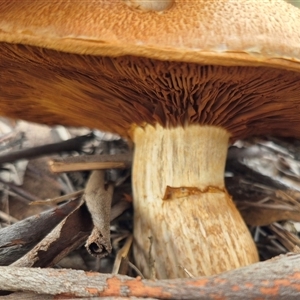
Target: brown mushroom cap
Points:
(105, 64)
(200, 31)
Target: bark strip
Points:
(98, 197)
(71, 233)
(17, 239)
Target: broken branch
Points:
(278, 278)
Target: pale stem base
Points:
(185, 222)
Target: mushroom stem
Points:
(185, 221)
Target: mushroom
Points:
(182, 80)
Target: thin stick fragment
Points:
(122, 253)
(278, 278)
(135, 268)
(98, 196)
(74, 144)
(90, 162)
(188, 273)
(7, 218)
(57, 200)
(288, 239)
(20, 191)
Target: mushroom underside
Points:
(113, 93)
(183, 115)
